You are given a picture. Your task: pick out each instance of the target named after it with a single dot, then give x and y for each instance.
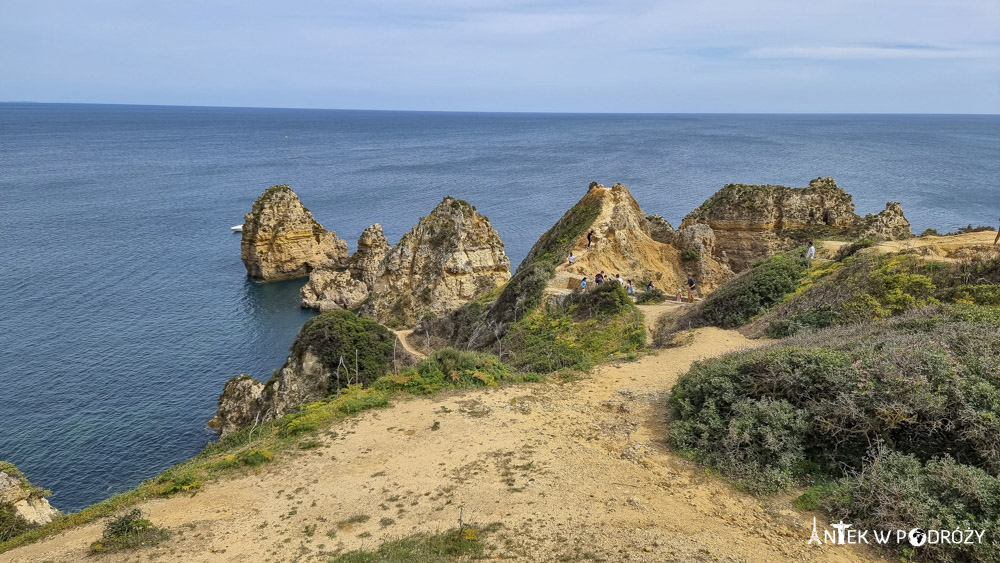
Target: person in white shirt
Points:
(571, 259)
(812, 251)
(618, 277)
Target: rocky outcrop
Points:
(282, 240)
(449, 258)
(239, 405)
(372, 250)
(660, 229)
(752, 221)
(329, 289)
(890, 224)
(639, 247)
(27, 501)
(333, 350)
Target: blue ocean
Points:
(125, 306)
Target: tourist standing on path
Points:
(599, 279)
(590, 237)
(692, 288)
(618, 278)
(996, 240)
(629, 289)
(571, 259)
(812, 251)
(583, 283)
(649, 286)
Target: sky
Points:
(774, 56)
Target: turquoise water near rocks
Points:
(125, 306)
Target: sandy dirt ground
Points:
(570, 471)
(952, 247)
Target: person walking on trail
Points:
(618, 278)
(571, 259)
(996, 240)
(649, 286)
(599, 278)
(590, 237)
(692, 288)
(629, 289)
(583, 283)
(812, 251)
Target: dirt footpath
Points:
(571, 471)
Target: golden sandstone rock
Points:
(282, 240)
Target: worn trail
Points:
(570, 471)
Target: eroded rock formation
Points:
(450, 257)
(27, 501)
(639, 247)
(752, 221)
(282, 240)
(329, 289)
(333, 350)
(890, 224)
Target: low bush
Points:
(926, 386)
(650, 297)
(449, 368)
(809, 320)
(849, 250)
(131, 530)
(11, 523)
(589, 327)
(752, 292)
(359, 348)
(898, 491)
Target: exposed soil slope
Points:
(570, 471)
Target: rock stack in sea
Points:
(450, 257)
(282, 240)
(753, 221)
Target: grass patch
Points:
(451, 545)
(131, 530)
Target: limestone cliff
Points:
(450, 257)
(282, 240)
(25, 502)
(332, 350)
(890, 224)
(752, 221)
(329, 289)
(624, 240)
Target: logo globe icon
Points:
(917, 537)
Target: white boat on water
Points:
(237, 228)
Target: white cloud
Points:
(854, 53)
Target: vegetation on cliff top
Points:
(894, 422)
(11, 523)
(360, 348)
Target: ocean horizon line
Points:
(484, 112)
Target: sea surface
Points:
(124, 306)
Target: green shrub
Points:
(809, 320)
(589, 327)
(449, 368)
(650, 297)
(853, 248)
(898, 491)
(11, 523)
(131, 530)
(974, 295)
(752, 292)
(365, 347)
(690, 254)
(925, 384)
(598, 302)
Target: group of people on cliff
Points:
(604, 278)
